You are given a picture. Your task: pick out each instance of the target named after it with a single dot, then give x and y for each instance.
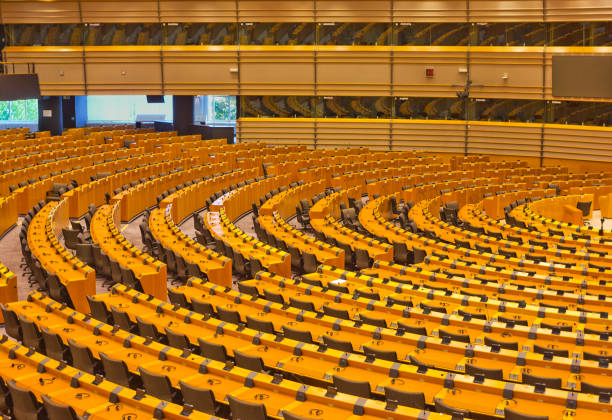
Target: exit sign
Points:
(429, 72)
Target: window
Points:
(215, 110)
(22, 110)
(126, 109)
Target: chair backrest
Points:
(497, 374)
(54, 347)
(156, 385)
(11, 323)
(259, 325)
(347, 386)
(228, 315)
(202, 307)
(362, 259)
(548, 382)
(248, 362)
(336, 313)
(301, 304)
(242, 410)
(98, 310)
(32, 337)
(412, 329)
(248, 289)
(390, 355)
(82, 358)
(464, 338)
(304, 336)
(310, 263)
(345, 346)
(57, 411)
(407, 398)
(200, 398)
(25, 405)
(115, 370)
(178, 298)
(212, 351)
(273, 297)
(121, 318)
(377, 322)
(177, 340)
(508, 345)
(147, 329)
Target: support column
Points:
(182, 107)
(50, 115)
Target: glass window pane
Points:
(126, 108)
(430, 108)
(577, 112)
(432, 34)
(277, 34)
(569, 34)
(4, 110)
(514, 110)
(124, 34)
(355, 33)
(201, 34)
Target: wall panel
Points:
(275, 11)
(112, 11)
(353, 11)
(355, 71)
(39, 12)
(123, 70)
(277, 70)
(198, 11)
(195, 70)
(578, 10)
(429, 11)
(585, 143)
(409, 64)
(429, 136)
(349, 132)
(513, 139)
(276, 131)
(60, 69)
(510, 72)
(506, 11)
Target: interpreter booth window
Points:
(215, 110)
(581, 113)
(429, 108)
(509, 110)
(279, 106)
(104, 109)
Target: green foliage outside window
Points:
(224, 108)
(22, 110)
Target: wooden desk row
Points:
(179, 365)
(43, 233)
(450, 233)
(82, 157)
(451, 357)
(372, 217)
(151, 273)
(280, 349)
(486, 213)
(532, 214)
(177, 206)
(473, 309)
(8, 287)
(89, 396)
